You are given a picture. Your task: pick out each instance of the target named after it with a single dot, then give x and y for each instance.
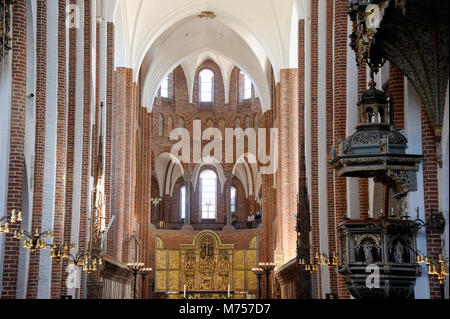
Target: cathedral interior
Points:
(210, 149)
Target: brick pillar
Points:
(315, 220)
(60, 180)
(287, 187)
(70, 156)
(329, 132)
(339, 115)
(109, 132)
(187, 218)
(118, 160)
(127, 218)
(431, 195)
(39, 153)
(363, 182)
(85, 199)
(397, 94)
(227, 198)
(16, 143)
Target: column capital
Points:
(188, 177)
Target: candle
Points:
(228, 291)
(184, 293)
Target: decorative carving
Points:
(161, 259)
(387, 243)
(174, 259)
(161, 280)
(206, 265)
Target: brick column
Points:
(109, 132)
(187, 217)
(39, 153)
(339, 115)
(60, 180)
(330, 171)
(287, 188)
(363, 182)
(397, 94)
(85, 199)
(431, 195)
(70, 156)
(227, 198)
(16, 143)
(315, 220)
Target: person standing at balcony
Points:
(258, 218)
(250, 220)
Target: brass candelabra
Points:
(436, 267)
(319, 259)
(16, 217)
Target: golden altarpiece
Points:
(206, 269)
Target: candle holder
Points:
(144, 272)
(34, 241)
(16, 217)
(135, 268)
(437, 267)
(58, 253)
(259, 272)
(267, 268)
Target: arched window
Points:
(247, 87)
(233, 199)
(165, 87)
(169, 124)
(208, 194)
(206, 85)
(183, 202)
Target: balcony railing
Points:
(205, 226)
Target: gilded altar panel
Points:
(161, 259)
(250, 259)
(161, 280)
(251, 280)
(174, 259)
(238, 280)
(239, 259)
(174, 280)
(206, 265)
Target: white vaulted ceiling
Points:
(254, 35)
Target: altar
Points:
(206, 269)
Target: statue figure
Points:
(368, 253)
(398, 252)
